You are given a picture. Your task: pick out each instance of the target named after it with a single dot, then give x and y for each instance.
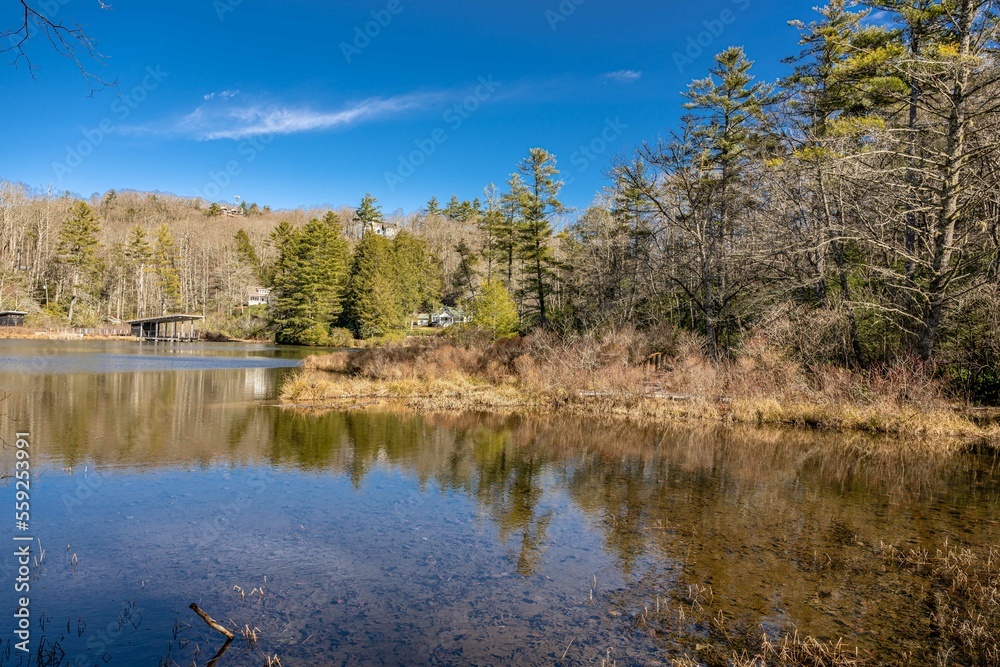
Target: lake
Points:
(163, 476)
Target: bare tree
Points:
(67, 39)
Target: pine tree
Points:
(166, 264)
(507, 225)
(247, 255)
(138, 256)
(309, 280)
(368, 217)
(417, 281)
(723, 129)
(76, 250)
(538, 204)
(373, 301)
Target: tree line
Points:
(849, 212)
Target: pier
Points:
(167, 328)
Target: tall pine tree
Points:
(539, 203)
(76, 251)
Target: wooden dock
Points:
(167, 328)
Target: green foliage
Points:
(368, 215)
(537, 204)
(246, 253)
(418, 283)
(340, 337)
(137, 251)
(77, 252)
(494, 311)
(309, 280)
(374, 301)
(166, 265)
(77, 245)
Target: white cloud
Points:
(624, 76)
(223, 119)
(225, 94)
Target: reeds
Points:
(615, 376)
(963, 600)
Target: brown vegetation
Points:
(645, 376)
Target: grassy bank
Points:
(41, 333)
(613, 376)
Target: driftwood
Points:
(212, 623)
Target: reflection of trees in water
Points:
(508, 487)
(770, 519)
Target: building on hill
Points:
(258, 296)
(386, 229)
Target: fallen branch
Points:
(215, 625)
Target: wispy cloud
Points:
(224, 94)
(221, 116)
(623, 76)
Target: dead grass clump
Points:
(761, 369)
(963, 600)
(795, 651)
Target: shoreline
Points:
(941, 429)
(68, 333)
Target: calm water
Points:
(167, 475)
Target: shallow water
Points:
(167, 475)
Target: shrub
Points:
(340, 337)
(494, 311)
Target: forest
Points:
(847, 214)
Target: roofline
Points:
(166, 318)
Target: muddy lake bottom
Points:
(165, 476)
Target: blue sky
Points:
(292, 104)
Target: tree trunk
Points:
(951, 189)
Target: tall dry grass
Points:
(647, 376)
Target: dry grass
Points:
(611, 376)
(963, 600)
(33, 333)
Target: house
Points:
(258, 296)
(12, 318)
(386, 229)
(448, 316)
(421, 320)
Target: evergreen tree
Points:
(373, 301)
(463, 281)
(538, 204)
(433, 206)
(282, 238)
(722, 131)
(246, 253)
(507, 223)
(417, 282)
(166, 264)
(138, 255)
(76, 250)
(310, 280)
(838, 90)
(368, 216)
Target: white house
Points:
(448, 316)
(258, 296)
